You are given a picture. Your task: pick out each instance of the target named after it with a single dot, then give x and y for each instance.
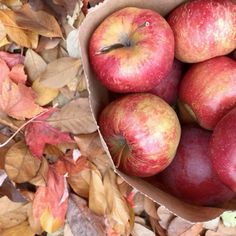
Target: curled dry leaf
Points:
(178, 226)
(150, 207)
(39, 133)
(165, 217)
(118, 212)
(60, 72)
(140, 230)
(47, 43)
(20, 165)
(12, 213)
(156, 227)
(97, 197)
(90, 146)
(40, 22)
(82, 220)
(34, 64)
(75, 117)
(21, 229)
(72, 43)
(49, 205)
(50, 55)
(44, 94)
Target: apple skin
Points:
(203, 29)
(208, 90)
(142, 133)
(223, 149)
(190, 176)
(167, 89)
(146, 55)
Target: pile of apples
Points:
(174, 69)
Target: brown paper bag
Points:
(99, 98)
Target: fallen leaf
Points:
(90, 146)
(97, 197)
(150, 207)
(72, 43)
(44, 94)
(38, 21)
(140, 230)
(165, 217)
(156, 227)
(3, 32)
(12, 213)
(75, 117)
(40, 178)
(82, 220)
(60, 72)
(21, 229)
(178, 226)
(195, 230)
(47, 43)
(15, 33)
(50, 55)
(17, 100)
(34, 64)
(7, 121)
(49, 205)
(39, 132)
(20, 165)
(4, 70)
(222, 231)
(12, 59)
(4, 41)
(118, 212)
(13, 4)
(17, 74)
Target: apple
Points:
(142, 133)
(203, 29)
(167, 89)
(132, 50)
(190, 176)
(208, 90)
(223, 149)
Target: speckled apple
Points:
(223, 149)
(132, 50)
(191, 176)
(168, 88)
(142, 133)
(203, 29)
(208, 90)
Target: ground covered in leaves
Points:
(55, 178)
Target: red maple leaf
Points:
(39, 132)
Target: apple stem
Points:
(128, 43)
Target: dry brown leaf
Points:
(97, 198)
(47, 43)
(82, 220)
(4, 149)
(41, 176)
(156, 227)
(13, 4)
(90, 146)
(50, 55)
(20, 165)
(150, 207)
(75, 117)
(7, 121)
(16, 33)
(178, 226)
(40, 22)
(118, 211)
(44, 94)
(140, 230)
(12, 213)
(60, 72)
(21, 229)
(34, 64)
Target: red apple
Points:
(223, 149)
(191, 176)
(203, 29)
(132, 50)
(167, 89)
(142, 133)
(208, 90)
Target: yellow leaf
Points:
(16, 34)
(97, 198)
(4, 42)
(44, 94)
(21, 229)
(48, 222)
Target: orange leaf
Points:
(17, 74)
(18, 100)
(50, 202)
(38, 21)
(12, 59)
